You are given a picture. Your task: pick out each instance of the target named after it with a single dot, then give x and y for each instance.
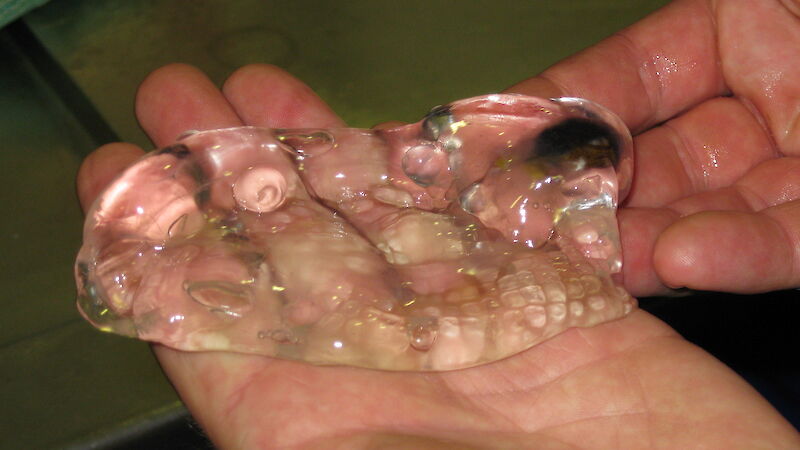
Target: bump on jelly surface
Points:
(467, 237)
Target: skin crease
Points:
(714, 206)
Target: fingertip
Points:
(168, 71)
(538, 86)
(726, 251)
(153, 85)
(260, 70)
(389, 124)
(102, 166)
(690, 253)
(268, 96)
(179, 97)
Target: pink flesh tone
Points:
(474, 234)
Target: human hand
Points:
(711, 90)
(628, 383)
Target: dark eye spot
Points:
(202, 196)
(438, 118)
(179, 151)
(203, 193)
(593, 143)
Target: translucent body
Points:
(467, 237)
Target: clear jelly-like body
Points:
(467, 237)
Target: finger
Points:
(644, 73)
(101, 166)
(775, 181)
(706, 148)
(388, 125)
(639, 230)
(718, 251)
(170, 101)
(177, 98)
(264, 95)
(792, 5)
(770, 183)
(760, 50)
(732, 251)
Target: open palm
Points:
(631, 383)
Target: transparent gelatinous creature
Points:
(474, 234)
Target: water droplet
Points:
(307, 143)
(422, 335)
(220, 296)
(425, 164)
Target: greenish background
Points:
(69, 72)
(11, 9)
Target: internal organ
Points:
(470, 236)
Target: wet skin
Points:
(630, 383)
